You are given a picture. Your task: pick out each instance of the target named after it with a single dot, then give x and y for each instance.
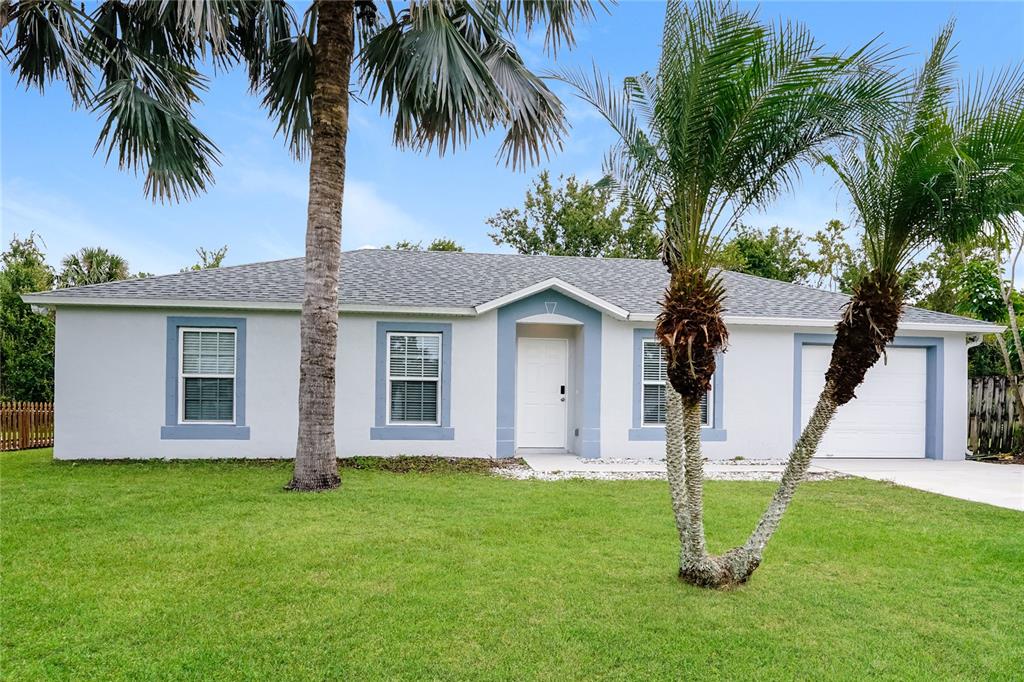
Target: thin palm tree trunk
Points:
(1011, 310)
(316, 464)
(674, 462)
(1010, 373)
(796, 468)
(694, 548)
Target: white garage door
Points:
(886, 419)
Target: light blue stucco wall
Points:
(541, 303)
(934, 383)
(714, 432)
(172, 430)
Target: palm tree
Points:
(722, 127)
(91, 265)
(935, 172)
(446, 70)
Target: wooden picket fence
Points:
(25, 425)
(993, 416)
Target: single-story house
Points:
(478, 355)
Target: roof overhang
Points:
(969, 328)
(558, 285)
(49, 300)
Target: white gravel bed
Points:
(713, 474)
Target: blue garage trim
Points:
(172, 430)
(935, 374)
(715, 432)
(381, 430)
(540, 303)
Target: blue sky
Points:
(52, 182)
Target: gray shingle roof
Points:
(463, 280)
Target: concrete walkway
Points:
(1001, 485)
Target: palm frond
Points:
(287, 85)
(559, 17)
(734, 109)
(948, 163)
(49, 45)
(447, 73)
(534, 116)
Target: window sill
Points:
(657, 433)
(412, 432)
(204, 432)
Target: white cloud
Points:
(65, 227)
(370, 218)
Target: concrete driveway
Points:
(1001, 485)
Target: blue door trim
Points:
(549, 301)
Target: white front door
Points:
(886, 419)
(541, 393)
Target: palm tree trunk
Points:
(1010, 373)
(868, 325)
(316, 463)
(674, 462)
(1011, 313)
(796, 468)
(695, 548)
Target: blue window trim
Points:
(935, 373)
(715, 432)
(544, 302)
(172, 430)
(381, 430)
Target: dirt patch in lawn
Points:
(405, 464)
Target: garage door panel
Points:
(888, 417)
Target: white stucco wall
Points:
(111, 389)
(758, 381)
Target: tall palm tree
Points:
(91, 265)
(950, 161)
(446, 70)
(722, 127)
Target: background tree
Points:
(722, 126)
(981, 294)
(935, 172)
(208, 259)
(778, 253)
(834, 259)
(576, 219)
(26, 336)
(445, 244)
(438, 244)
(446, 70)
(91, 265)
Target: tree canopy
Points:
(26, 336)
(438, 244)
(575, 219)
(91, 265)
(208, 259)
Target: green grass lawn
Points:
(210, 571)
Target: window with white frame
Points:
(414, 378)
(206, 375)
(654, 366)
